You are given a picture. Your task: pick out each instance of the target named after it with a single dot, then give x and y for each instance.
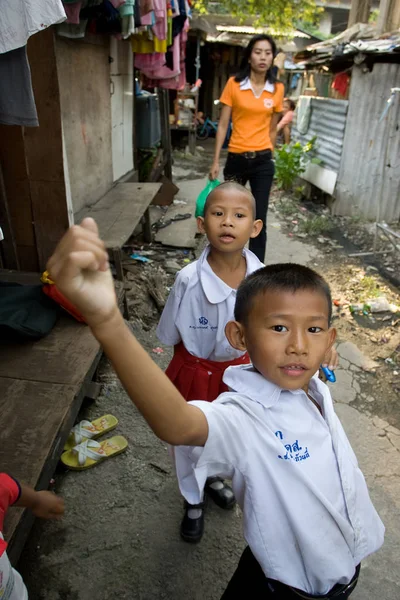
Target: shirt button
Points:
(197, 360)
(209, 372)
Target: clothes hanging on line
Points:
(21, 19)
(17, 102)
(341, 83)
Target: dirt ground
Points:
(120, 536)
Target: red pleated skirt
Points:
(199, 378)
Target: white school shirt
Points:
(307, 515)
(12, 586)
(199, 306)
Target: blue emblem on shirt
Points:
(203, 321)
(293, 451)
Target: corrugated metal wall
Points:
(328, 123)
(364, 180)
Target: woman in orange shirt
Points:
(253, 100)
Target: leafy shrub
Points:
(291, 161)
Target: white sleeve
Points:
(219, 457)
(167, 331)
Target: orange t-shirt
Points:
(251, 116)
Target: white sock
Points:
(194, 513)
(217, 485)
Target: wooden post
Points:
(44, 149)
(359, 12)
(163, 100)
(389, 16)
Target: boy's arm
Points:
(79, 267)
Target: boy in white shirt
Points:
(198, 308)
(308, 518)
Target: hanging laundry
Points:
(21, 19)
(149, 61)
(161, 25)
(77, 30)
(72, 10)
(341, 83)
(146, 8)
(17, 103)
(142, 43)
(178, 22)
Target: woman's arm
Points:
(223, 125)
(273, 128)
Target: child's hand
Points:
(331, 360)
(79, 267)
(47, 505)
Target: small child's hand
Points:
(331, 360)
(47, 505)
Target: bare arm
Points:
(286, 134)
(43, 504)
(163, 407)
(223, 125)
(273, 128)
(80, 268)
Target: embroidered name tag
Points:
(294, 451)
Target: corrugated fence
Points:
(366, 180)
(328, 124)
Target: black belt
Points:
(336, 593)
(252, 155)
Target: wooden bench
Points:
(118, 213)
(42, 385)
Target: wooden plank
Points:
(63, 357)
(181, 234)
(34, 413)
(120, 210)
(43, 415)
(19, 277)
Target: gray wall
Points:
(365, 178)
(328, 123)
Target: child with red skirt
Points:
(198, 308)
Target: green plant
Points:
(290, 162)
(316, 225)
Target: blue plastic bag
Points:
(202, 197)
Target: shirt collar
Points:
(245, 380)
(246, 85)
(215, 289)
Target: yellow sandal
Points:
(90, 453)
(86, 430)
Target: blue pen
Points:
(330, 375)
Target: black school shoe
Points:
(192, 529)
(224, 498)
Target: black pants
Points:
(259, 171)
(249, 582)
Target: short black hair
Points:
(282, 277)
(233, 185)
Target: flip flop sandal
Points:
(86, 430)
(90, 453)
